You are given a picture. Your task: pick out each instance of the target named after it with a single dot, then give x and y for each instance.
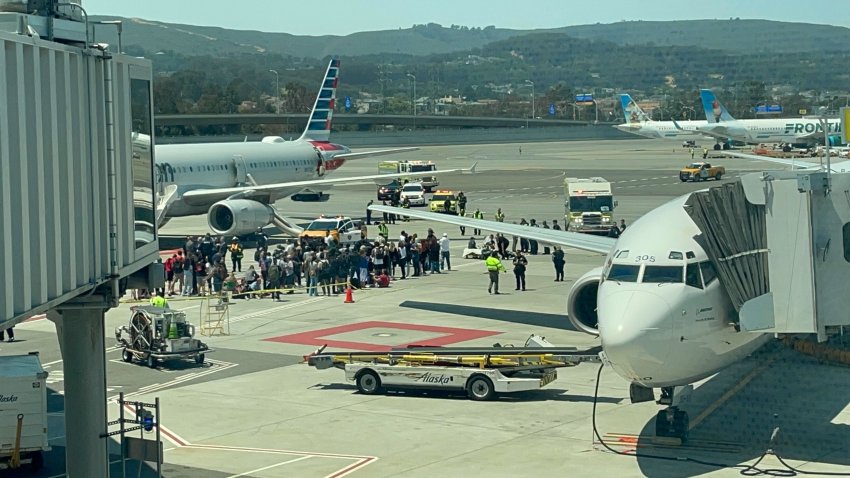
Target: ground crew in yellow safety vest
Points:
(500, 217)
(494, 266)
(477, 215)
(159, 301)
(384, 230)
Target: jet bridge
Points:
(781, 244)
(77, 201)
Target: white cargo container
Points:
(23, 393)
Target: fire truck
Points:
(589, 205)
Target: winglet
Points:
(677, 125)
(319, 125)
(631, 110)
(471, 169)
(715, 112)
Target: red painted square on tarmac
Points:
(448, 336)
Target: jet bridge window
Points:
(623, 273)
(662, 274)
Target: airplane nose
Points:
(636, 328)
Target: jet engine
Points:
(581, 302)
(234, 217)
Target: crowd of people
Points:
(326, 267)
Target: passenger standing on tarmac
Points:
(546, 249)
(622, 226)
(558, 260)
(494, 266)
(477, 215)
(555, 225)
(262, 238)
(445, 257)
(177, 267)
(520, 263)
(406, 205)
(369, 213)
(386, 215)
(274, 279)
(461, 210)
(10, 332)
(531, 242)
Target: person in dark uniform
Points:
(520, 263)
(369, 213)
(559, 261)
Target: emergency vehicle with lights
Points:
(589, 205)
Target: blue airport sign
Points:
(768, 109)
(551, 109)
(347, 103)
(585, 98)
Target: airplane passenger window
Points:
(846, 234)
(662, 274)
(692, 277)
(623, 273)
(708, 272)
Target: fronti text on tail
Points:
(715, 112)
(319, 125)
(631, 110)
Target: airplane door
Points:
(240, 171)
(320, 163)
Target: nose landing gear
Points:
(672, 422)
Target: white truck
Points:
(589, 205)
(23, 411)
(395, 167)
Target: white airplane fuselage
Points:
(771, 130)
(222, 165)
(661, 334)
(665, 129)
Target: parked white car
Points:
(415, 193)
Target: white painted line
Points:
(270, 466)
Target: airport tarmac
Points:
(254, 410)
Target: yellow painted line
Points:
(729, 394)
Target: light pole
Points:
(413, 100)
(531, 84)
(277, 90)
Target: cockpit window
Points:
(676, 256)
(623, 273)
(708, 272)
(692, 277)
(623, 254)
(662, 274)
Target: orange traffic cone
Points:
(349, 299)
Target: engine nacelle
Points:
(581, 302)
(234, 217)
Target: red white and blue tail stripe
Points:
(319, 125)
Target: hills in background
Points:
(741, 36)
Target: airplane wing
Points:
(369, 154)
(715, 130)
(576, 240)
(198, 197)
(836, 167)
(757, 157)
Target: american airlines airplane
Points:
(235, 184)
(721, 124)
(656, 302)
(637, 122)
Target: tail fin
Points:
(319, 124)
(631, 110)
(715, 112)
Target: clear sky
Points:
(341, 17)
